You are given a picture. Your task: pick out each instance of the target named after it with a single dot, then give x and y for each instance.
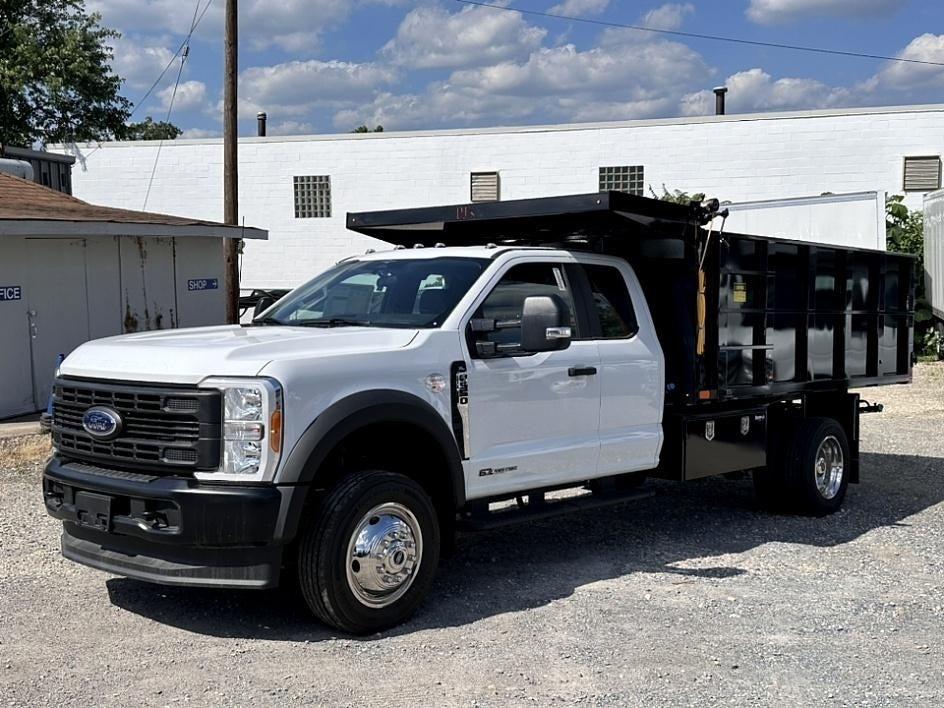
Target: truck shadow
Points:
(678, 531)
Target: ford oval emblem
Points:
(102, 423)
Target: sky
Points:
(327, 66)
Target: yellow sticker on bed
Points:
(740, 292)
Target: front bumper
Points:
(169, 530)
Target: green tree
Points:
(365, 129)
(677, 196)
(904, 233)
(149, 129)
(56, 82)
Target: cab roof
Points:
(486, 252)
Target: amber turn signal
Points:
(275, 431)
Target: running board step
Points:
(546, 509)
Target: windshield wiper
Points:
(267, 320)
(333, 322)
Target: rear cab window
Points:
(611, 311)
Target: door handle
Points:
(581, 371)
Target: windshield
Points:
(392, 293)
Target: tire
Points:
(370, 521)
(815, 467)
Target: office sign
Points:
(11, 292)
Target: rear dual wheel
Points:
(809, 471)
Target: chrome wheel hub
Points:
(829, 467)
(384, 555)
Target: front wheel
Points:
(368, 556)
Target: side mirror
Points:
(264, 302)
(543, 324)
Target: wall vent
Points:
(922, 174)
(486, 187)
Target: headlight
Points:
(252, 429)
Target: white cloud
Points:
(292, 25)
(296, 87)
(578, 8)
(429, 37)
(439, 106)
(651, 66)
(901, 77)
(156, 15)
(895, 83)
(291, 127)
(501, 70)
(199, 133)
(191, 95)
(669, 16)
(756, 90)
(620, 80)
(139, 63)
(770, 12)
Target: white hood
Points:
(190, 355)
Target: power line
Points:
(697, 35)
(170, 108)
(185, 43)
(173, 96)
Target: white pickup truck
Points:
(350, 430)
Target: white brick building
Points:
(733, 157)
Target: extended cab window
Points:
(611, 302)
(380, 293)
(506, 301)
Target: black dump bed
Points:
(738, 316)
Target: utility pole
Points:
(230, 167)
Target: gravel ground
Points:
(692, 597)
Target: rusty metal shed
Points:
(71, 271)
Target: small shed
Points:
(71, 271)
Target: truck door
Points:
(533, 418)
(632, 370)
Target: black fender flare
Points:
(348, 415)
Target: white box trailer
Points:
(934, 252)
(851, 220)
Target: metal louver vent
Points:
(485, 187)
(922, 174)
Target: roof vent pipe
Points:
(261, 124)
(719, 99)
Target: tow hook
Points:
(866, 407)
